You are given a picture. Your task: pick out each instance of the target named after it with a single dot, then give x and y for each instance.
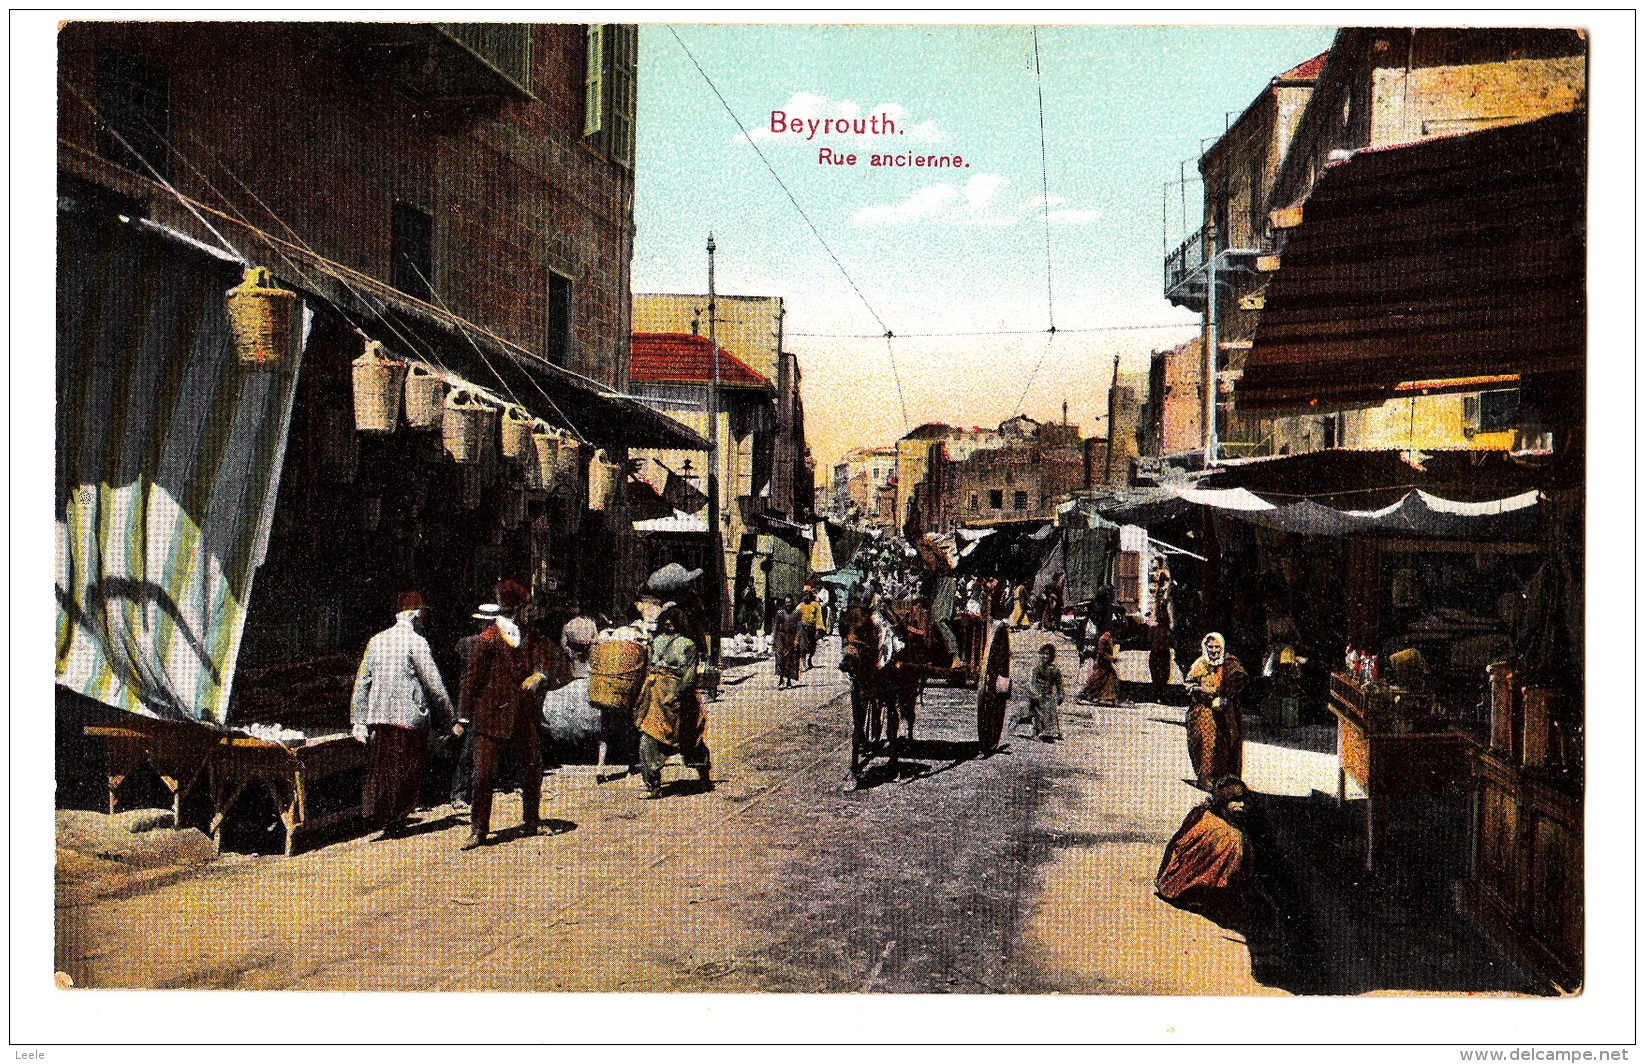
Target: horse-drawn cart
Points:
(893, 650)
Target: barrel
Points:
(616, 670)
(424, 393)
(379, 385)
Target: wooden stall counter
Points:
(1386, 763)
(233, 765)
(1525, 886)
(288, 773)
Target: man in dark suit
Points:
(509, 665)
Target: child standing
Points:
(1045, 693)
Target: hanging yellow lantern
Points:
(259, 319)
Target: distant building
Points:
(1022, 472)
(858, 479)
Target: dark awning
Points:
(1452, 258)
(587, 408)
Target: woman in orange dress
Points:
(1216, 738)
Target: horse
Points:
(889, 650)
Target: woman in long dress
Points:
(1215, 737)
(1102, 684)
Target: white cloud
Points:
(976, 203)
(810, 110)
(923, 203)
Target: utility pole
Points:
(1210, 409)
(1113, 393)
(717, 566)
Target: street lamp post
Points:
(1210, 411)
(718, 562)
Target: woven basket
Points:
(425, 392)
(616, 670)
(467, 427)
(379, 385)
(516, 433)
(557, 461)
(603, 476)
(259, 318)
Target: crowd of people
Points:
(517, 687)
(515, 682)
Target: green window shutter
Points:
(594, 82)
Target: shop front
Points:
(366, 447)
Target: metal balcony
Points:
(446, 61)
(1185, 273)
(1185, 270)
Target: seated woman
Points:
(1208, 867)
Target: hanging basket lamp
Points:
(259, 320)
(379, 385)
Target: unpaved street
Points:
(1028, 871)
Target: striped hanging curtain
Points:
(168, 462)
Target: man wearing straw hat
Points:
(509, 665)
(397, 695)
(462, 779)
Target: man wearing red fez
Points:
(510, 664)
(398, 695)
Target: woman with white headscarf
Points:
(1215, 738)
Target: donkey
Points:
(889, 651)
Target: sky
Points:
(946, 249)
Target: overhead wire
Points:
(500, 379)
(885, 330)
(414, 342)
(1045, 215)
(159, 177)
(998, 332)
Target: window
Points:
(1008, 476)
(1019, 500)
(1259, 221)
(1495, 411)
(609, 78)
(973, 502)
(996, 500)
(557, 346)
(133, 106)
(411, 252)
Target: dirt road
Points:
(1026, 871)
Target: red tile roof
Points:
(686, 358)
(1307, 70)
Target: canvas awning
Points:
(168, 466)
(1454, 258)
(1417, 513)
